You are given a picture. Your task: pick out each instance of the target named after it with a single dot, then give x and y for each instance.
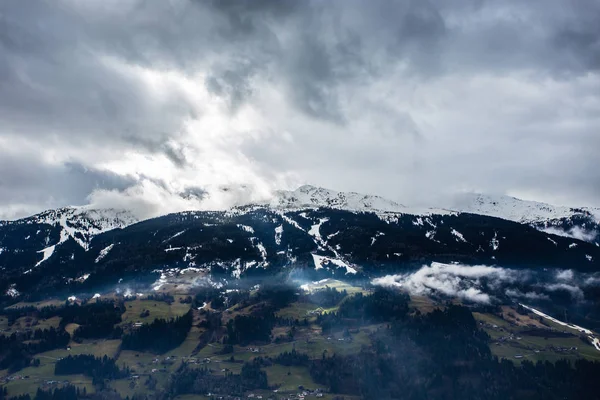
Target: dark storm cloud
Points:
(56, 78)
(406, 91)
(233, 85)
(194, 193)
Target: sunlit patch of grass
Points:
(335, 284)
(298, 310)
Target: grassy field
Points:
(30, 385)
(142, 364)
(314, 346)
(126, 387)
(157, 309)
(71, 328)
(289, 378)
(97, 348)
(297, 310)
(139, 362)
(38, 304)
(189, 344)
(27, 324)
(492, 320)
(423, 304)
(511, 339)
(334, 284)
(35, 377)
(308, 339)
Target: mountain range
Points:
(314, 230)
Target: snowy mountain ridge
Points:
(578, 222)
(581, 222)
(514, 209)
(80, 223)
(308, 196)
(83, 223)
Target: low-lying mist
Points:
(556, 291)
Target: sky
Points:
(168, 105)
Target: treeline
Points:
(68, 392)
(257, 327)
(382, 305)
(16, 350)
(98, 368)
(160, 336)
(164, 297)
(278, 296)
(292, 358)
(244, 329)
(96, 320)
(201, 381)
(46, 312)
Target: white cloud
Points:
(515, 293)
(576, 232)
(481, 284)
(454, 280)
(575, 291)
(565, 275)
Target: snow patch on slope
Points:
(315, 229)
(246, 228)
(103, 253)
(324, 262)
(12, 291)
(495, 243)
(47, 253)
(175, 235)
(459, 236)
(278, 234)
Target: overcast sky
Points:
(157, 104)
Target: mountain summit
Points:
(308, 196)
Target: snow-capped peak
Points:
(310, 197)
(82, 223)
